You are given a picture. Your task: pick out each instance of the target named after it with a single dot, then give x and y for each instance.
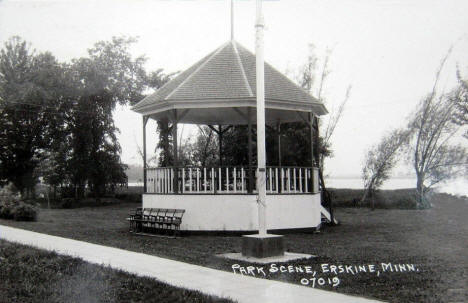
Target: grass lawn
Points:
(33, 275)
(434, 240)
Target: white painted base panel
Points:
(239, 212)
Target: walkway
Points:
(207, 280)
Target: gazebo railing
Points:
(230, 180)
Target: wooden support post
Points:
(145, 120)
(220, 139)
(312, 139)
(249, 136)
(175, 153)
(166, 142)
(278, 129)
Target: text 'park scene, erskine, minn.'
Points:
(233, 151)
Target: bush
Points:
(6, 210)
(8, 201)
(24, 212)
(11, 207)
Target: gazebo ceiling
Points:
(220, 88)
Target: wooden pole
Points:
(220, 141)
(145, 120)
(279, 157)
(166, 142)
(175, 153)
(312, 139)
(260, 73)
(278, 129)
(249, 136)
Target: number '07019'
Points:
(335, 281)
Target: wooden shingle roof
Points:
(226, 78)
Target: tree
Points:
(312, 77)
(109, 76)
(380, 161)
(460, 99)
(205, 148)
(434, 156)
(31, 90)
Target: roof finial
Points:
(232, 19)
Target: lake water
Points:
(455, 187)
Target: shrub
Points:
(6, 210)
(11, 207)
(24, 212)
(8, 201)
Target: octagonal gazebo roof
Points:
(220, 88)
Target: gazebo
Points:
(220, 91)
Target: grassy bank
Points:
(434, 240)
(32, 275)
(384, 199)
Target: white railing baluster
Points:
(271, 182)
(300, 179)
(294, 179)
(282, 179)
(163, 180)
(242, 179)
(227, 179)
(198, 180)
(289, 180)
(170, 179)
(160, 189)
(160, 178)
(219, 180)
(183, 180)
(190, 180)
(153, 180)
(204, 179)
(157, 179)
(276, 179)
(212, 180)
(235, 180)
(168, 174)
(306, 179)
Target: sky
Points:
(388, 50)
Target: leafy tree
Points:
(156, 80)
(109, 76)
(205, 150)
(460, 98)
(164, 144)
(434, 156)
(312, 77)
(31, 86)
(380, 161)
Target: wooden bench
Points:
(155, 219)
